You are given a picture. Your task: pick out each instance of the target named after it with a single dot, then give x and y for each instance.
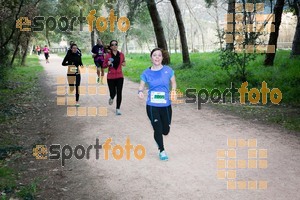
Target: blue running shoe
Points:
(118, 112)
(163, 156)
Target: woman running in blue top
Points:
(159, 110)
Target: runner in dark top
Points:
(98, 54)
(70, 51)
(73, 60)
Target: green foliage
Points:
(28, 192)
(283, 75)
(203, 74)
(235, 64)
(208, 3)
(17, 81)
(16, 88)
(7, 179)
(236, 61)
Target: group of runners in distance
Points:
(45, 50)
(158, 77)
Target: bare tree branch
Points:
(14, 25)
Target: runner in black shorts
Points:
(98, 55)
(46, 53)
(73, 60)
(159, 110)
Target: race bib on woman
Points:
(158, 97)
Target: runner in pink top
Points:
(46, 53)
(115, 61)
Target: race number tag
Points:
(158, 97)
(73, 69)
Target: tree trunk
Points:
(148, 45)
(94, 35)
(14, 55)
(231, 10)
(217, 23)
(201, 30)
(296, 41)
(6, 41)
(175, 44)
(16, 48)
(92, 38)
(192, 39)
(25, 51)
(184, 46)
(125, 46)
(31, 49)
(203, 41)
(278, 8)
(3, 49)
(47, 38)
(5, 37)
(170, 50)
(158, 29)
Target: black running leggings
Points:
(74, 80)
(115, 88)
(160, 118)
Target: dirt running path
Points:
(190, 173)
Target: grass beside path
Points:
(18, 88)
